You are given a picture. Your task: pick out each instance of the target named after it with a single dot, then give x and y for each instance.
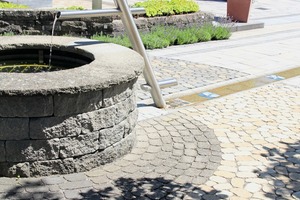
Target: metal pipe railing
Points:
(126, 15)
(95, 13)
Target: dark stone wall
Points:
(40, 22)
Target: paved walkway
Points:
(242, 146)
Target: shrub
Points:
(186, 36)
(220, 33)
(167, 7)
(161, 37)
(152, 41)
(6, 5)
(121, 40)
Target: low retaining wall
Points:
(39, 22)
(71, 120)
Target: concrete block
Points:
(14, 128)
(68, 104)
(32, 150)
(79, 145)
(30, 106)
(117, 93)
(54, 127)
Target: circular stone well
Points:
(70, 120)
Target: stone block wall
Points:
(40, 22)
(66, 133)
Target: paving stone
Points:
(296, 195)
(75, 185)
(53, 180)
(238, 182)
(252, 187)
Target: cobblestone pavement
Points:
(242, 146)
(190, 75)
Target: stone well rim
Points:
(111, 66)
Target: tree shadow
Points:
(284, 172)
(120, 189)
(152, 188)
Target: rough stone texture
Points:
(79, 145)
(145, 24)
(14, 129)
(54, 127)
(81, 103)
(37, 22)
(51, 128)
(117, 150)
(29, 106)
(117, 94)
(32, 150)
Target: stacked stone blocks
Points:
(65, 133)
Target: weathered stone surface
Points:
(81, 102)
(108, 137)
(103, 118)
(14, 128)
(15, 169)
(29, 106)
(32, 150)
(54, 127)
(72, 126)
(30, 19)
(117, 150)
(2, 150)
(124, 108)
(79, 145)
(45, 168)
(118, 93)
(131, 122)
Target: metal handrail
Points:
(126, 16)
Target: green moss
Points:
(5, 5)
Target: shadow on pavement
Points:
(120, 189)
(284, 173)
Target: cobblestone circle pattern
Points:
(173, 155)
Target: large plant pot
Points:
(238, 10)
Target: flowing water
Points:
(51, 45)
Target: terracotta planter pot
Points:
(238, 10)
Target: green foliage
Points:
(6, 5)
(161, 37)
(72, 8)
(167, 7)
(152, 41)
(220, 33)
(186, 36)
(121, 40)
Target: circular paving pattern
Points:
(173, 155)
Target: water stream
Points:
(52, 34)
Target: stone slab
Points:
(25, 106)
(14, 128)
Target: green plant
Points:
(221, 33)
(121, 40)
(167, 7)
(72, 8)
(161, 37)
(186, 36)
(152, 41)
(7, 5)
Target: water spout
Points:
(126, 16)
(95, 13)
